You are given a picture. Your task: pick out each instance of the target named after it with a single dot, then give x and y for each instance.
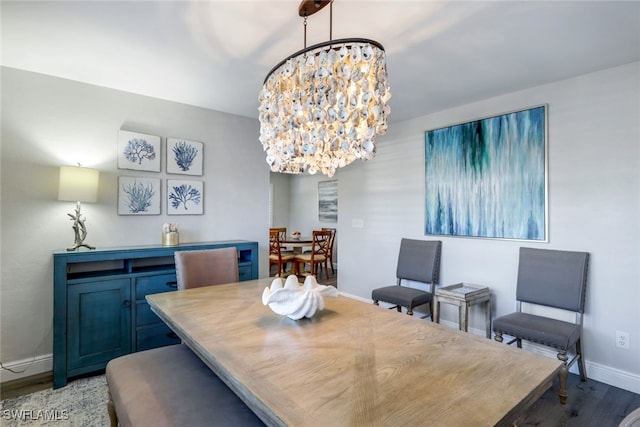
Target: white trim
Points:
(30, 366)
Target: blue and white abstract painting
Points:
(487, 178)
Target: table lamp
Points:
(78, 184)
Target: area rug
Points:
(81, 403)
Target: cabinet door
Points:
(98, 324)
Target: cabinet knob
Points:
(173, 284)
(126, 303)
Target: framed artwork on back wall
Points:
(488, 178)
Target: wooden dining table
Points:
(353, 363)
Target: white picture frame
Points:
(138, 195)
(138, 151)
(185, 197)
(184, 157)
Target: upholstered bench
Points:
(171, 386)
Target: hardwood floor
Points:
(28, 385)
(590, 403)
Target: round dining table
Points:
(296, 244)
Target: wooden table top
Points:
(304, 240)
(353, 363)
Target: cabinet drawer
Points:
(144, 315)
(155, 336)
(155, 284)
(244, 272)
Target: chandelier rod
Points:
(331, 20)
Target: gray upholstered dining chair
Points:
(556, 279)
(419, 261)
(206, 267)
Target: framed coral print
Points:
(138, 195)
(328, 201)
(184, 157)
(488, 178)
(185, 197)
(138, 151)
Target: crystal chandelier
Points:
(322, 107)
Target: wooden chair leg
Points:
(562, 376)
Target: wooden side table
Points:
(464, 295)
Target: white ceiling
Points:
(215, 54)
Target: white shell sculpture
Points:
(295, 301)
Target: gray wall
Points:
(48, 122)
(594, 206)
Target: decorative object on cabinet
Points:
(488, 178)
(295, 301)
(138, 195)
(184, 157)
(138, 151)
(328, 201)
(100, 311)
(322, 107)
(185, 197)
(170, 235)
(78, 184)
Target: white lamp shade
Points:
(78, 184)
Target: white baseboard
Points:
(26, 367)
(604, 374)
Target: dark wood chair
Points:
(333, 239)
(282, 232)
(319, 254)
(276, 255)
(419, 261)
(550, 278)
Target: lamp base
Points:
(77, 246)
(79, 229)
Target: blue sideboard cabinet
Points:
(100, 311)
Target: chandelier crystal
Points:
(322, 107)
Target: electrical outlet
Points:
(622, 340)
